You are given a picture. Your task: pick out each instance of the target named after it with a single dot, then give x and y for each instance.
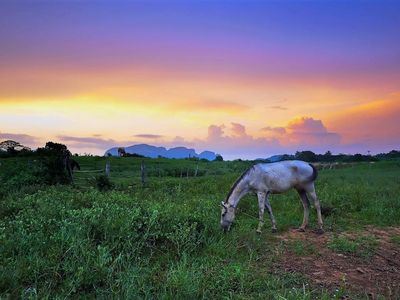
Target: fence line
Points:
(89, 171)
(140, 174)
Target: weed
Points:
(363, 246)
(395, 239)
(301, 248)
(103, 183)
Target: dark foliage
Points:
(103, 183)
(132, 155)
(310, 156)
(306, 156)
(55, 157)
(219, 158)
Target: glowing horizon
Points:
(242, 79)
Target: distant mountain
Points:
(274, 158)
(209, 155)
(154, 152)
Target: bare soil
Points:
(378, 274)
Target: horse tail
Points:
(314, 173)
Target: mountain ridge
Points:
(160, 151)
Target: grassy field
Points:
(163, 240)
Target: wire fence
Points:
(136, 173)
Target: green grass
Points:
(301, 248)
(164, 240)
(395, 239)
(363, 246)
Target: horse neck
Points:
(240, 189)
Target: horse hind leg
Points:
(311, 193)
(306, 206)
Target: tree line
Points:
(310, 156)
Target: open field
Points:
(163, 240)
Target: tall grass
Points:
(164, 240)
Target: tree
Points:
(57, 163)
(54, 149)
(308, 156)
(328, 157)
(219, 157)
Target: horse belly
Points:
(279, 186)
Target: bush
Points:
(103, 183)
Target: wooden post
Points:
(108, 168)
(142, 172)
(67, 166)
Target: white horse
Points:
(273, 178)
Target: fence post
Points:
(142, 171)
(67, 166)
(108, 168)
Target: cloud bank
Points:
(234, 141)
(304, 133)
(24, 139)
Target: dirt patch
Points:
(325, 264)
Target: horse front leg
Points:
(261, 205)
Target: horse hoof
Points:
(320, 231)
(301, 229)
(274, 230)
(258, 231)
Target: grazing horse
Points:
(273, 178)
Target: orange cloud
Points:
(375, 124)
(309, 132)
(303, 132)
(300, 134)
(274, 131)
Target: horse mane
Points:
(237, 182)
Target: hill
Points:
(155, 152)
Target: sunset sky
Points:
(242, 78)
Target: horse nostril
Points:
(225, 226)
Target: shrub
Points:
(103, 183)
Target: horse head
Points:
(227, 216)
